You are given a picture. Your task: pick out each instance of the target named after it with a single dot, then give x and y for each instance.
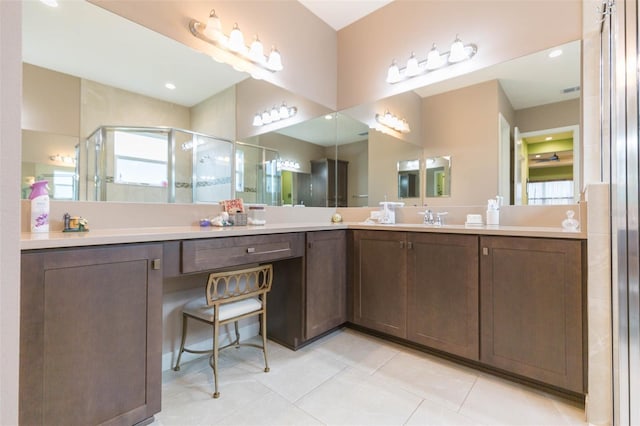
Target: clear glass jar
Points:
(257, 215)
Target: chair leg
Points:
(237, 342)
(216, 393)
(184, 338)
(263, 323)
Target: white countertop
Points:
(32, 241)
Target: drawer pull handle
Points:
(252, 250)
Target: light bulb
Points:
(284, 111)
(256, 52)
(412, 66)
(393, 75)
(458, 52)
(434, 60)
(257, 120)
(275, 61)
(275, 115)
(236, 39)
(266, 118)
(213, 29)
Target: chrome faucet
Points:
(440, 218)
(428, 218)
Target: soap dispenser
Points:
(493, 213)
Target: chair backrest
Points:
(230, 286)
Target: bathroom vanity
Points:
(91, 305)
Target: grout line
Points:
(467, 395)
(414, 411)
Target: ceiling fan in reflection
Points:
(554, 157)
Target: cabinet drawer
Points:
(215, 253)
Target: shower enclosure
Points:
(163, 164)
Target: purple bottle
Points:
(39, 206)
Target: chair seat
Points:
(198, 308)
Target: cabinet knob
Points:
(155, 264)
(485, 251)
(401, 244)
(410, 245)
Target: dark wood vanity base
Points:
(91, 317)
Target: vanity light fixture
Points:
(211, 32)
(435, 60)
(275, 114)
(62, 159)
(391, 121)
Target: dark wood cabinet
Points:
(329, 183)
(442, 283)
(532, 308)
(326, 282)
(91, 335)
(379, 268)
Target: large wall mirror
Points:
(495, 122)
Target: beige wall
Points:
(216, 116)
(310, 60)
(550, 116)
(502, 30)
(10, 112)
(464, 124)
(50, 101)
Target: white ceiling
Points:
(341, 13)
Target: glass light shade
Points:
(236, 39)
(213, 28)
(257, 120)
(458, 52)
(284, 111)
(256, 51)
(275, 61)
(275, 115)
(393, 75)
(412, 66)
(434, 60)
(266, 118)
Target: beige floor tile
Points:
(349, 378)
(431, 413)
(294, 376)
(353, 397)
(357, 350)
(429, 377)
(495, 401)
(271, 409)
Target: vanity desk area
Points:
(92, 303)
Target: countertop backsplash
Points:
(115, 215)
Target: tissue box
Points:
(474, 220)
(238, 219)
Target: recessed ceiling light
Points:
(555, 53)
(170, 86)
(548, 138)
(328, 116)
(50, 3)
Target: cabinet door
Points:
(443, 286)
(532, 308)
(326, 282)
(91, 335)
(380, 289)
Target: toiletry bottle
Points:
(39, 206)
(493, 214)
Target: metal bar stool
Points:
(229, 297)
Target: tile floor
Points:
(349, 378)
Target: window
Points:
(140, 158)
(239, 171)
(550, 192)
